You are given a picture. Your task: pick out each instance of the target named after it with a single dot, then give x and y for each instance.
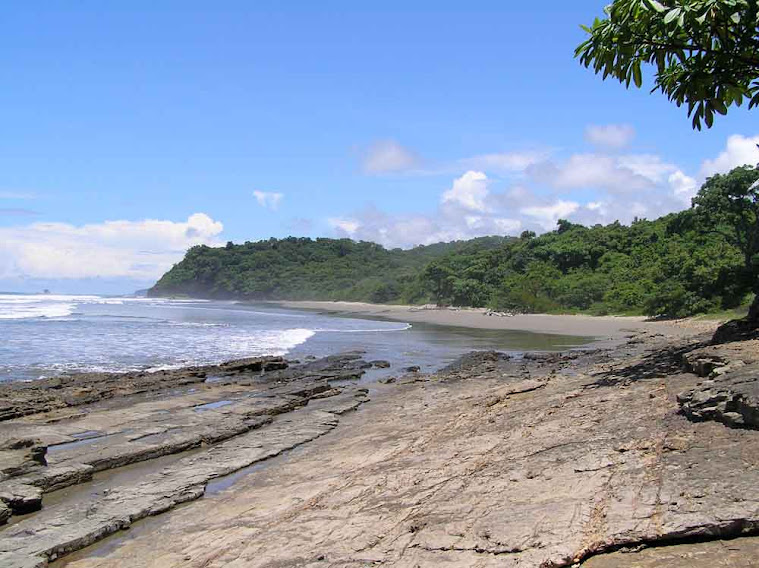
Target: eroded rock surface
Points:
(62, 529)
(731, 397)
(215, 420)
(737, 553)
(526, 463)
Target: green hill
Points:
(665, 266)
(307, 269)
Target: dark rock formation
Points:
(130, 418)
(737, 330)
(77, 389)
(475, 359)
(731, 397)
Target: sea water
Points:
(46, 335)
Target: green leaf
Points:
(671, 15)
(709, 117)
(696, 122)
(736, 18)
(719, 106)
(657, 6)
(637, 75)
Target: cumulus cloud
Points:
(468, 191)
(344, 227)
(410, 230)
(388, 156)
(683, 187)
(268, 199)
(548, 215)
(617, 174)
(610, 136)
(648, 166)
(140, 250)
(740, 151)
(583, 188)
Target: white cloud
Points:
(617, 174)
(388, 156)
(130, 249)
(649, 166)
(507, 226)
(468, 191)
(740, 151)
(508, 162)
(583, 188)
(610, 136)
(548, 215)
(267, 199)
(344, 227)
(683, 187)
(590, 171)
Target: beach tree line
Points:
(702, 259)
(704, 55)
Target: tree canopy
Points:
(728, 205)
(678, 265)
(705, 53)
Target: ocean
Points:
(46, 335)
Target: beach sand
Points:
(602, 328)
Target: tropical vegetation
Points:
(703, 259)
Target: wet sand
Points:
(603, 328)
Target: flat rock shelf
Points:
(101, 451)
(625, 456)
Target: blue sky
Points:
(132, 130)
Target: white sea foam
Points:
(92, 333)
(196, 324)
(267, 342)
(404, 327)
(25, 306)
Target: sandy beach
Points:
(601, 328)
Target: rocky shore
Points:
(71, 440)
(645, 454)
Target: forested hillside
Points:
(666, 266)
(306, 269)
(654, 267)
(701, 259)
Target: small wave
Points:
(379, 330)
(36, 311)
(268, 342)
(120, 317)
(170, 367)
(196, 324)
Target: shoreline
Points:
(425, 469)
(601, 330)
